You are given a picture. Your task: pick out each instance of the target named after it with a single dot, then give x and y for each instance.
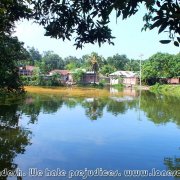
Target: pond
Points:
(53, 136)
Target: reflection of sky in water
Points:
(118, 139)
(67, 139)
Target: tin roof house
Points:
(127, 78)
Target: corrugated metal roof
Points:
(63, 72)
(124, 73)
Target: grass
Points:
(71, 91)
(172, 90)
(118, 86)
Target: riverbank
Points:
(172, 90)
(78, 91)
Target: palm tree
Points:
(95, 67)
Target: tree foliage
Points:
(12, 11)
(165, 15)
(160, 66)
(89, 20)
(34, 54)
(118, 61)
(51, 61)
(107, 69)
(78, 76)
(11, 51)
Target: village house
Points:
(66, 75)
(127, 78)
(89, 77)
(26, 70)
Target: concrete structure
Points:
(123, 77)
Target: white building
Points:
(123, 77)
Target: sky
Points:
(129, 40)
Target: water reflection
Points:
(159, 109)
(126, 141)
(173, 164)
(93, 107)
(13, 138)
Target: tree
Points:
(12, 11)
(132, 65)
(118, 61)
(86, 60)
(72, 62)
(34, 54)
(78, 75)
(107, 69)
(52, 61)
(72, 59)
(88, 20)
(160, 65)
(95, 67)
(11, 51)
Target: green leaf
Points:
(163, 26)
(176, 43)
(165, 41)
(178, 38)
(156, 24)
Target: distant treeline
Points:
(159, 66)
(50, 60)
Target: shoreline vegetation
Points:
(75, 91)
(96, 91)
(169, 90)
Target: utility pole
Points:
(140, 74)
(140, 83)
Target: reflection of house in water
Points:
(125, 91)
(122, 99)
(123, 77)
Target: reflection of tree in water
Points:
(13, 139)
(173, 164)
(115, 106)
(9, 115)
(94, 108)
(160, 109)
(52, 105)
(35, 104)
(72, 102)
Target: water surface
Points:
(50, 131)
